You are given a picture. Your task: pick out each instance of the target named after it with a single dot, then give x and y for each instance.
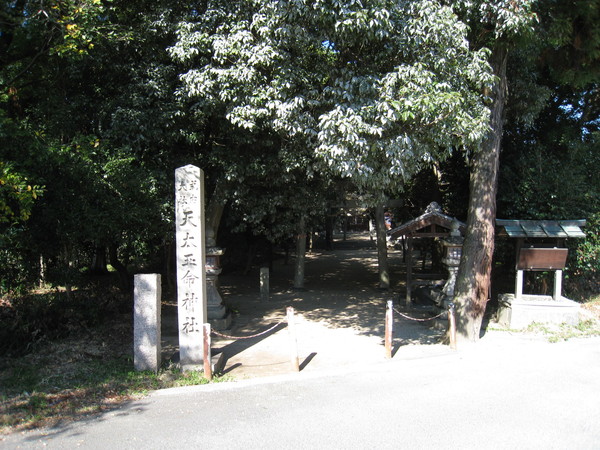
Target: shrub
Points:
(584, 276)
(30, 319)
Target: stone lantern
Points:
(216, 310)
(452, 253)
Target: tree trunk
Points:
(473, 279)
(329, 230)
(300, 254)
(213, 214)
(99, 260)
(382, 260)
(122, 271)
(68, 270)
(42, 280)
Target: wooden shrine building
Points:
(431, 224)
(540, 246)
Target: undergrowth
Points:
(72, 378)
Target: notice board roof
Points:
(541, 228)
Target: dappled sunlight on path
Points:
(339, 314)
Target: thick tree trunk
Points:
(382, 259)
(473, 279)
(99, 260)
(300, 254)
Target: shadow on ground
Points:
(340, 314)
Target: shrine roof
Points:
(432, 216)
(541, 228)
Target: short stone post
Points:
(146, 321)
(557, 285)
(191, 264)
(264, 284)
(452, 325)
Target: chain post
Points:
(389, 328)
(293, 341)
(207, 353)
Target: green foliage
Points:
(551, 143)
(87, 111)
(533, 183)
(29, 320)
(101, 100)
(571, 31)
(498, 20)
(371, 90)
(587, 250)
(16, 195)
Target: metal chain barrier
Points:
(420, 320)
(249, 337)
(289, 318)
(389, 325)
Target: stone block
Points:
(147, 322)
(519, 313)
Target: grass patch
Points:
(564, 331)
(79, 376)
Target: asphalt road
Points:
(507, 392)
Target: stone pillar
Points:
(453, 245)
(216, 309)
(191, 261)
(146, 322)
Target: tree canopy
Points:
(371, 90)
(281, 102)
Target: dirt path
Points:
(339, 315)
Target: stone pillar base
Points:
(222, 323)
(519, 313)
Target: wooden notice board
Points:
(542, 258)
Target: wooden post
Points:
(389, 328)
(207, 353)
(293, 340)
(452, 326)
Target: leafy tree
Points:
(496, 26)
(551, 151)
(16, 195)
(92, 117)
(542, 66)
(371, 90)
